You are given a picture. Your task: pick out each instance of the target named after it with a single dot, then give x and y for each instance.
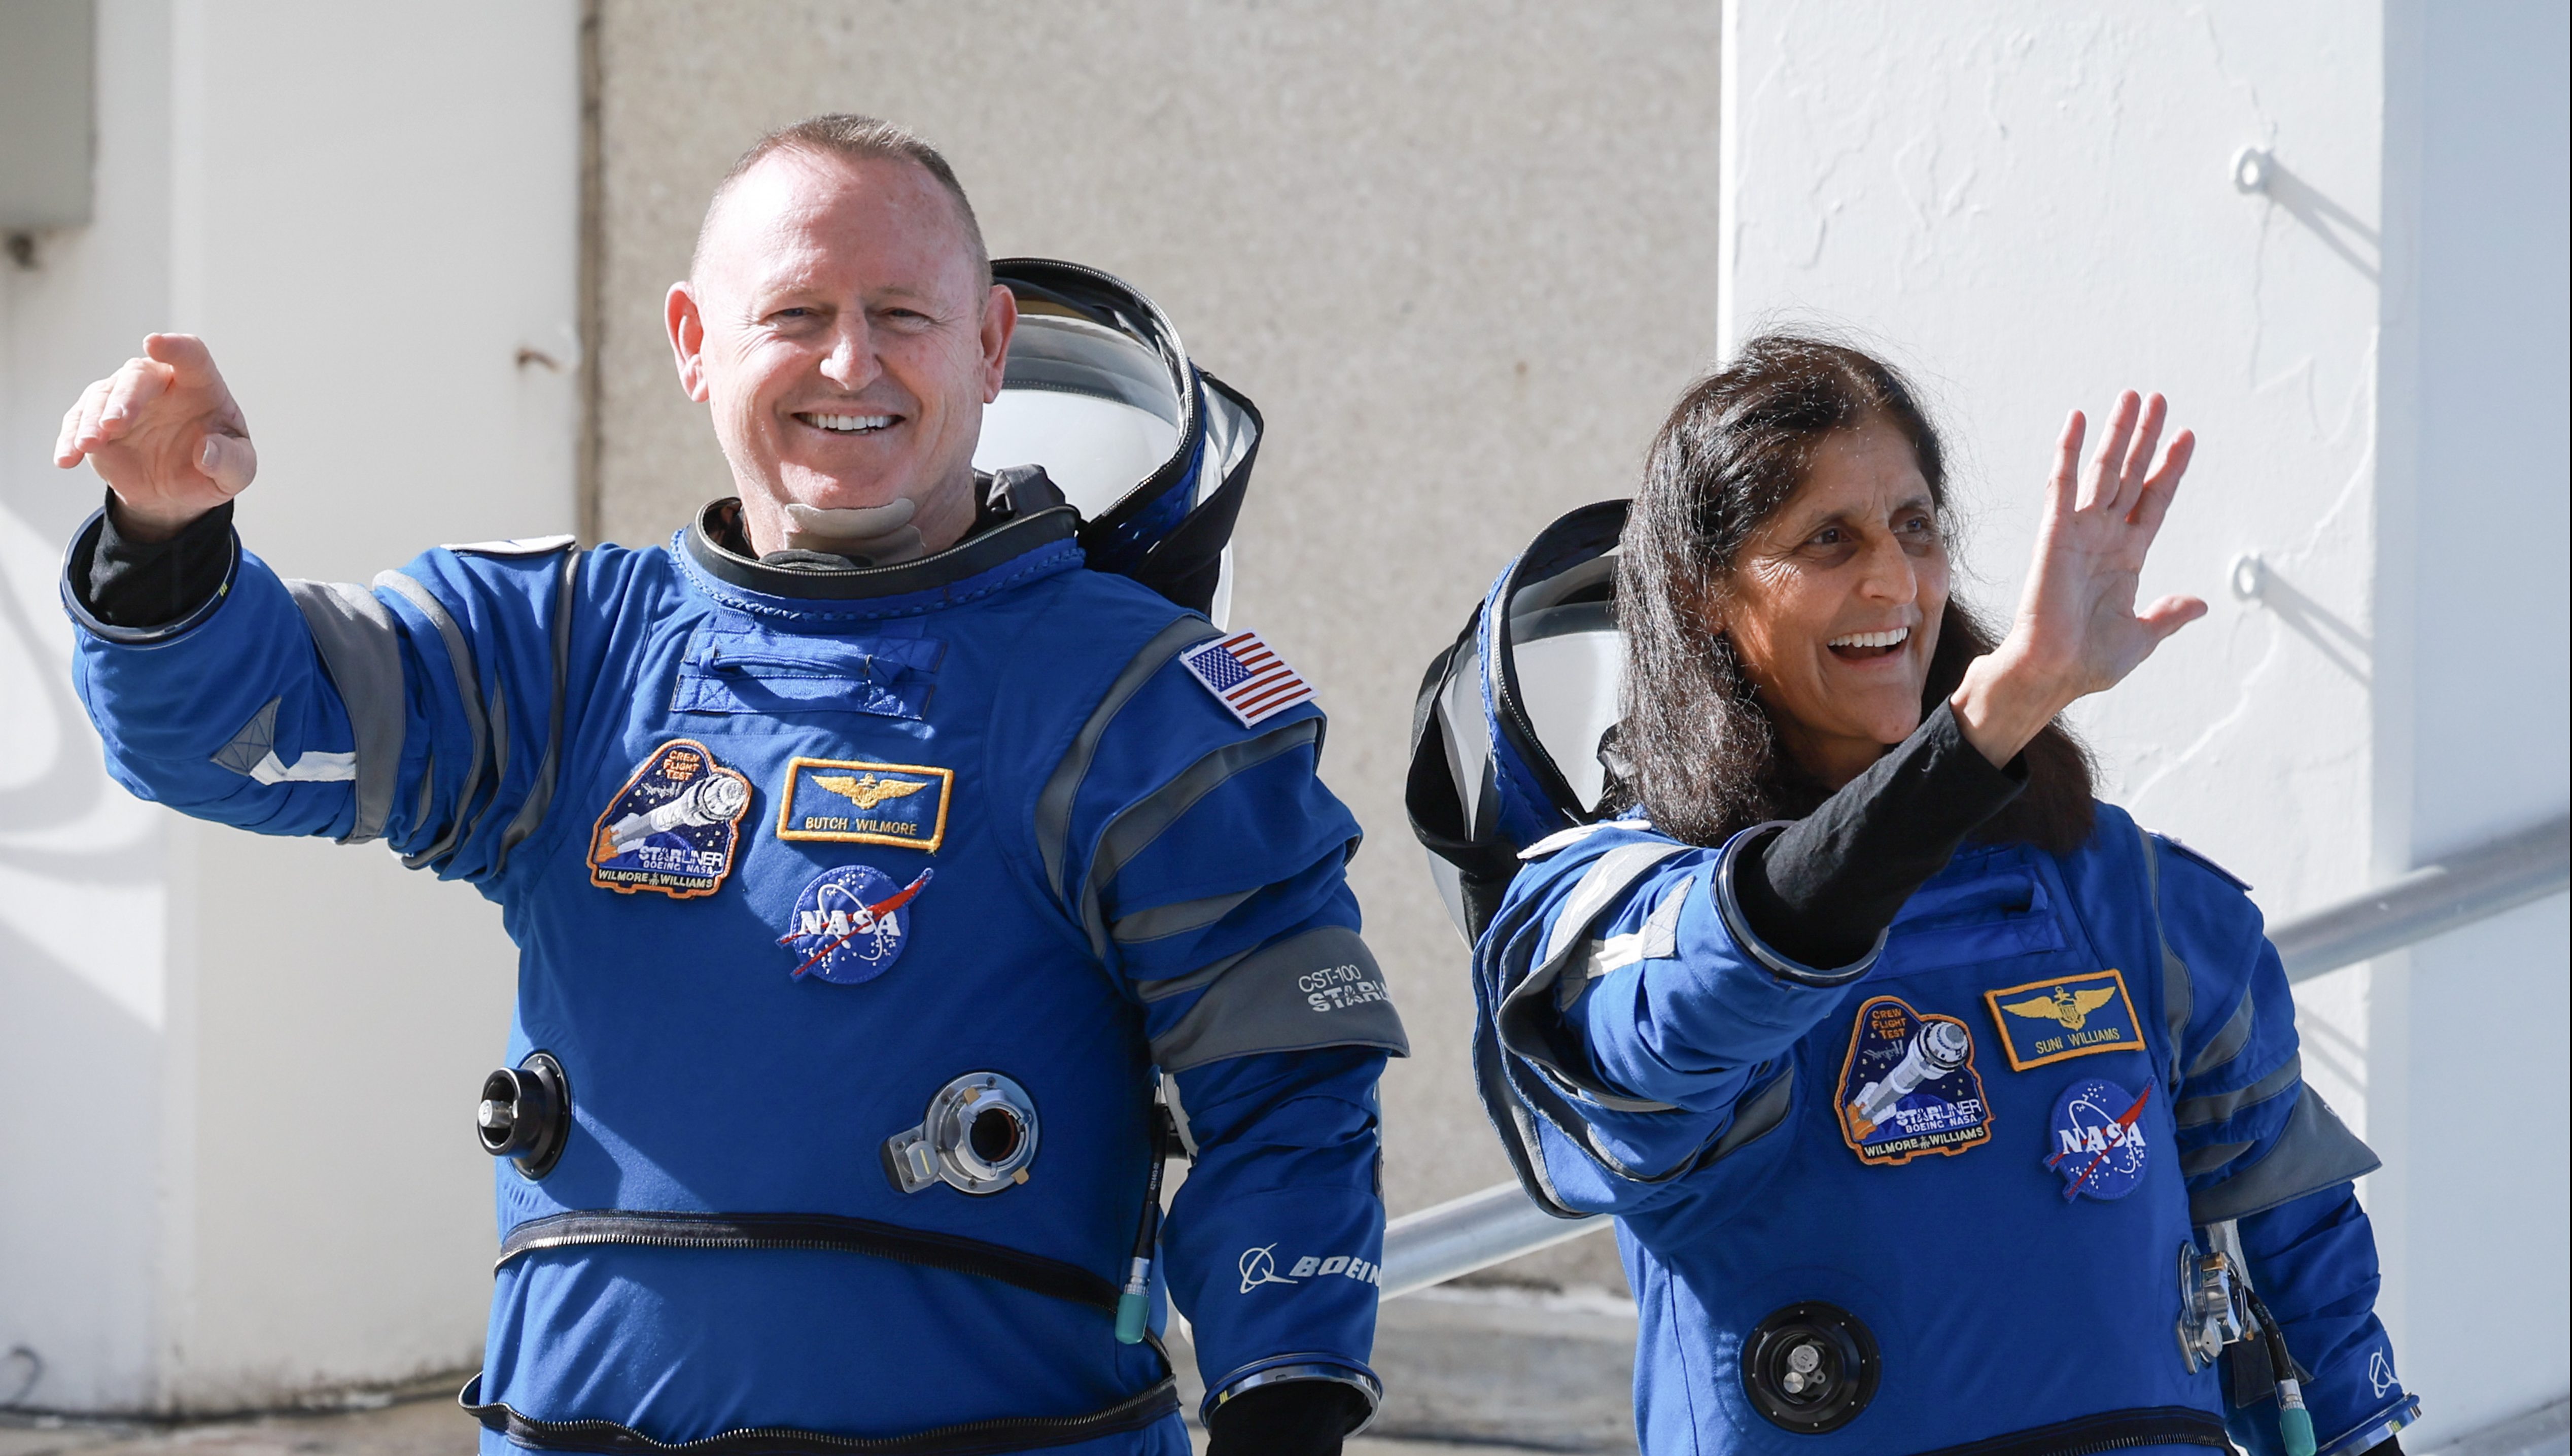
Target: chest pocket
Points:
(1992, 917)
(746, 668)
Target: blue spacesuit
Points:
(857, 909)
(1989, 1188)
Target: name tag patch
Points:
(1909, 1088)
(2044, 1022)
(673, 828)
(849, 801)
(2099, 1142)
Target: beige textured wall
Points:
(1461, 255)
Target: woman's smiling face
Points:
(1833, 603)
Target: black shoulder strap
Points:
(1435, 803)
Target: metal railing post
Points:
(1499, 1224)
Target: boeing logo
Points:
(1259, 1267)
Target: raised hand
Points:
(2076, 631)
(165, 434)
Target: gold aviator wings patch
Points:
(867, 791)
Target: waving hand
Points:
(2077, 630)
(166, 436)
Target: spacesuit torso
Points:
(1943, 1205)
(856, 910)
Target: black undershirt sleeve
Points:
(131, 584)
(1823, 890)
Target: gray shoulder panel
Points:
(1054, 804)
(1132, 830)
(1172, 919)
(360, 645)
(2179, 991)
(540, 794)
(1318, 989)
(469, 696)
(2215, 1107)
(2315, 1151)
(1755, 1118)
(2228, 1038)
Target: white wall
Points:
(236, 1165)
(2033, 209)
(2472, 521)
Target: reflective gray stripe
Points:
(360, 646)
(1318, 989)
(499, 716)
(2228, 1038)
(467, 677)
(2215, 1107)
(1152, 990)
(1614, 1102)
(2315, 1151)
(1605, 955)
(2178, 990)
(1601, 884)
(1132, 830)
(1054, 805)
(1526, 1018)
(1172, 919)
(1762, 1113)
(1607, 878)
(540, 794)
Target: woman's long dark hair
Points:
(1695, 749)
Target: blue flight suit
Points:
(2006, 1228)
(972, 813)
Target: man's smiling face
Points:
(838, 322)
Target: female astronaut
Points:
(1941, 1109)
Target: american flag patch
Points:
(1247, 676)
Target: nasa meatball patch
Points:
(2098, 1143)
(851, 800)
(851, 924)
(673, 828)
(1909, 1088)
(2076, 1016)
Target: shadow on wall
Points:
(2338, 229)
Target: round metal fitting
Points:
(978, 1136)
(1810, 1367)
(525, 1113)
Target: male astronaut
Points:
(866, 854)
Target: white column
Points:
(236, 1167)
(2472, 709)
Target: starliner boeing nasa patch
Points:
(851, 800)
(851, 924)
(2099, 1142)
(673, 828)
(2072, 1015)
(1909, 1088)
(1247, 676)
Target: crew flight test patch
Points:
(851, 800)
(1909, 1088)
(675, 825)
(2074, 1015)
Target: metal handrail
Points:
(1498, 1224)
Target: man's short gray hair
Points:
(859, 139)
